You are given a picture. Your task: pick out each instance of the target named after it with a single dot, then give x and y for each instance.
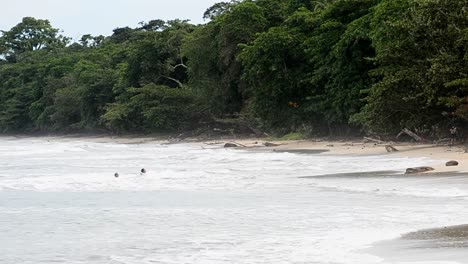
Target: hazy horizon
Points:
(100, 18)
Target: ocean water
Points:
(60, 203)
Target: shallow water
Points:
(59, 202)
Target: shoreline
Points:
(447, 244)
(414, 245)
(439, 155)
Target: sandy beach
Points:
(440, 154)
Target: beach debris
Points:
(390, 148)
(451, 163)
(231, 145)
(301, 151)
(378, 141)
(411, 134)
(176, 139)
(418, 169)
(269, 144)
(444, 141)
(116, 175)
(330, 146)
(234, 145)
(239, 144)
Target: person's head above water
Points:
(116, 175)
(143, 170)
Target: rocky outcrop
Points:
(451, 163)
(418, 170)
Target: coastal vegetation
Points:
(325, 67)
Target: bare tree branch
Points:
(180, 65)
(174, 80)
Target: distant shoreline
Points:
(356, 146)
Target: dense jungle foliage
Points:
(329, 67)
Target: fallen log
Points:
(390, 148)
(378, 141)
(418, 170)
(239, 144)
(411, 134)
(444, 141)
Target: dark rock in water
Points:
(269, 144)
(230, 145)
(418, 170)
(451, 163)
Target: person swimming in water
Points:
(116, 175)
(142, 171)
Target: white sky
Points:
(100, 17)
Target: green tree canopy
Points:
(29, 35)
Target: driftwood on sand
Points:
(390, 148)
(411, 134)
(444, 141)
(378, 141)
(269, 144)
(418, 170)
(234, 145)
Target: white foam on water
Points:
(216, 205)
(87, 166)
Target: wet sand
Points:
(302, 151)
(439, 245)
(391, 174)
(369, 174)
(438, 155)
(445, 237)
